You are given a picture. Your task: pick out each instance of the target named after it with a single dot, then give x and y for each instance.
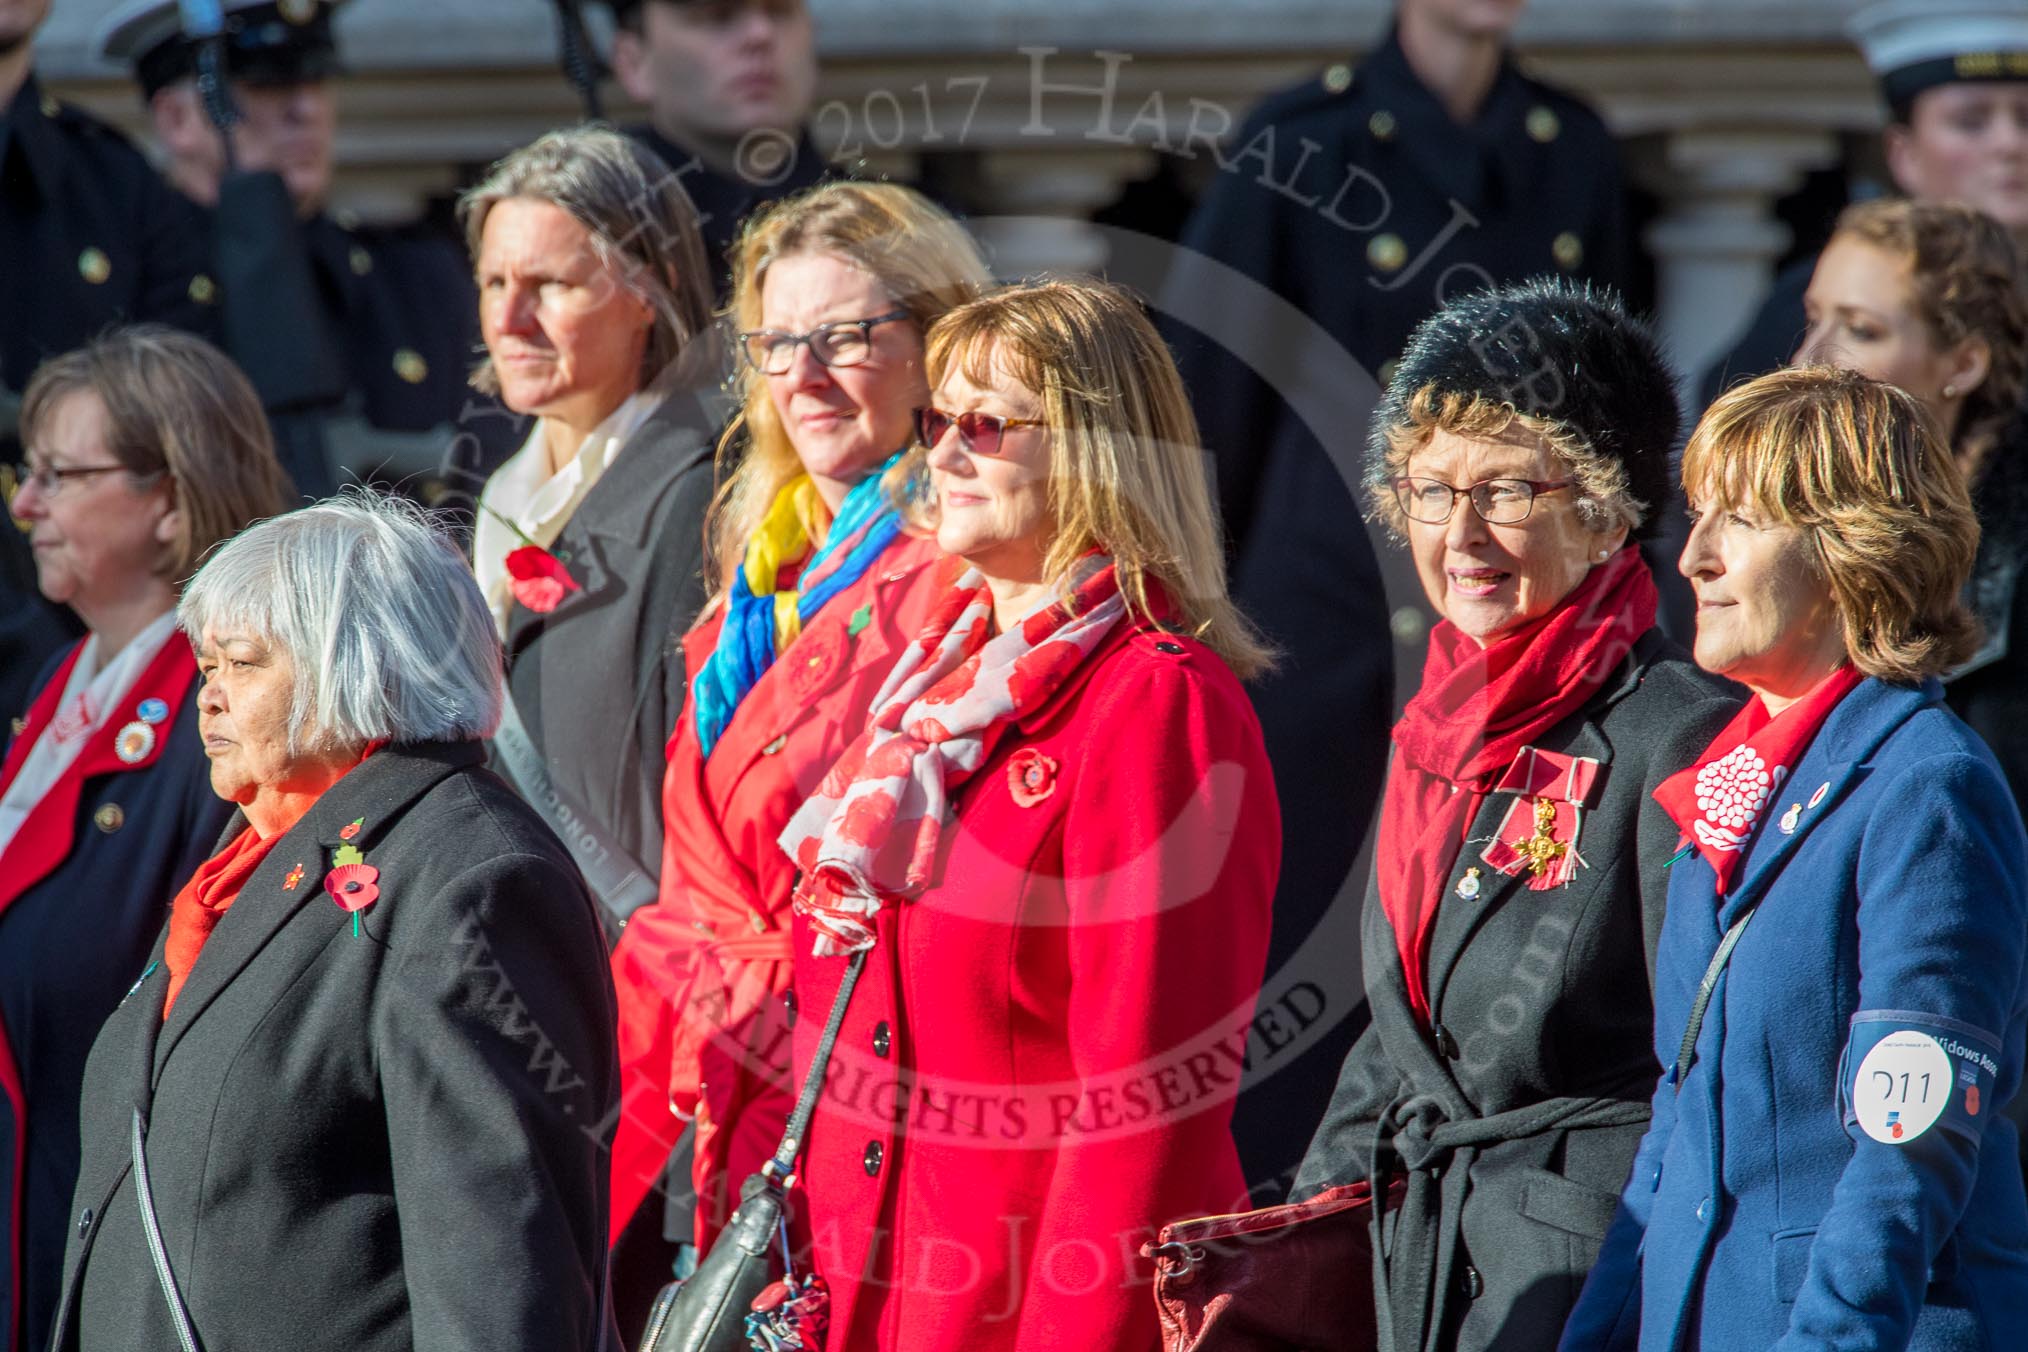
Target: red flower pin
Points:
(295, 876)
(352, 882)
(1031, 776)
(352, 828)
(538, 579)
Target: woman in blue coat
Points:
(1839, 994)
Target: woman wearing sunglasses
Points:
(818, 587)
(1050, 860)
(1520, 875)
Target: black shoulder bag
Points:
(706, 1312)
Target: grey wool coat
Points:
(373, 1142)
(1515, 1117)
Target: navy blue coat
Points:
(1758, 1214)
(84, 893)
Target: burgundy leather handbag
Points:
(1281, 1279)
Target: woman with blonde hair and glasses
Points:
(1840, 1003)
(145, 448)
(817, 585)
(1047, 864)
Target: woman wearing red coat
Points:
(835, 290)
(1053, 854)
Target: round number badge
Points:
(1902, 1087)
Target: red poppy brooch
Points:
(538, 578)
(352, 882)
(1031, 776)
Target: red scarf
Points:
(1719, 801)
(204, 901)
(870, 833)
(1477, 709)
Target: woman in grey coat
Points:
(1510, 932)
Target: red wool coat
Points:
(716, 944)
(1036, 1070)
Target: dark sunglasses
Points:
(977, 432)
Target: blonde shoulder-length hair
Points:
(1861, 468)
(912, 247)
(1126, 468)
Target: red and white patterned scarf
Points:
(869, 834)
(1719, 802)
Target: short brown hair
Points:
(1862, 469)
(1965, 281)
(1126, 467)
(174, 405)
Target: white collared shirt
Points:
(92, 697)
(540, 503)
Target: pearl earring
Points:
(1950, 391)
(1605, 553)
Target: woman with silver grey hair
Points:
(348, 1104)
(595, 304)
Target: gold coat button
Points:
(50, 107)
(1387, 252)
(1381, 124)
(1543, 124)
(362, 261)
(94, 266)
(410, 366)
(1338, 79)
(20, 725)
(1568, 250)
(203, 290)
(109, 818)
(298, 11)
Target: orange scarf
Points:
(204, 901)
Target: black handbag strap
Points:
(778, 1169)
(1686, 1055)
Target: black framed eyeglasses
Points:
(842, 342)
(1499, 502)
(979, 432)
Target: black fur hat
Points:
(1558, 351)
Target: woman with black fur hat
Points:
(1510, 931)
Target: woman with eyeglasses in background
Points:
(1518, 896)
(145, 448)
(817, 588)
(1050, 860)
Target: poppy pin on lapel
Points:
(352, 882)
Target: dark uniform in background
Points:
(90, 236)
(724, 201)
(359, 339)
(1359, 206)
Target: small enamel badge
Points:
(1468, 886)
(1790, 818)
(352, 828)
(1818, 796)
(153, 711)
(295, 877)
(134, 743)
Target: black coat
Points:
(76, 925)
(1534, 1080)
(724, 201)
(1297, 284)
(360, 340)
(388, 1140)
(1990, 692)
(599, 680)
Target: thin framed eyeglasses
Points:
(842, 342)
(978, 432)
(1499, 502)
(49, 482)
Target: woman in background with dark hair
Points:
(145, 449)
